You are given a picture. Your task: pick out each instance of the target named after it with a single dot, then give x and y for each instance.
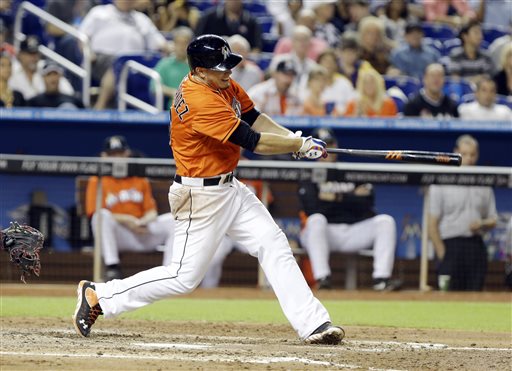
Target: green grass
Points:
(473, 316)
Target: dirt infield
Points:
(124, 344)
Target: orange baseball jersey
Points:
(130, 195)
(202, 120)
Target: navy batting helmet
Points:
(325, 134)
(212, 52)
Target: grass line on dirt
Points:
(474, 316)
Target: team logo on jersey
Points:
(225, 52)
(237, 107)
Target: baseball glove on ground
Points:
(23, 244)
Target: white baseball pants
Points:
(115, 237)
(203, 216)
(319, 238)
(214, 273)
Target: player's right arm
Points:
(264, 124)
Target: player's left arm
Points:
(264, 124)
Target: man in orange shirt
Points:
(129, 219)
(212, 117)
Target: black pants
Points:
(465, 261)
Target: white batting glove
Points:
(297, 134)
(311, 149)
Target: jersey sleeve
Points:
(214, 118)
(90, 196)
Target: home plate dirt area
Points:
(126, 344)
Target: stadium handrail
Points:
(84, 71)
(124, 97)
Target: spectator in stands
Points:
(316, 45)
(413, 57)
(396, 17)
(6, 40)
(431, 101)
(493, 12)
(340, 216)
(8, 98)
(274, 96)
(52, 97)
(458, 217)
(128, 215)
(246, 73)
(470, 61)
(503, 78)
(27, 79)
(485, 107)
(450, 12)
(301, 40)
(285, 14)
(231, 19)
(113, 30)
(172, 14)
(350, 58)
(375, 46)
(324, 29)
(357, 10)
(314, 105)
(339, 90)
(496, 48)
(174, 68)
(372, 100)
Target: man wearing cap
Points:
(413, 57)
(274, 96)
(129, 219)
(52, 97)
(27, 79)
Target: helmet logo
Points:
(225, 52)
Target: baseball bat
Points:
(420, 157)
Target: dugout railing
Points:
(272, 171)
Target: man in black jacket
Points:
(339, 216)
(52, 97)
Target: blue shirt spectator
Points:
(413, 57)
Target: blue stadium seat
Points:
(269, 42)
(456, 88)
(31, 24)
(203, 5)
(138, 85)
(451, 44)
(491, 32)
(266, 23)
(264, 60)
(438, 31)
(408, 85)
(256, 7)
(434, 43)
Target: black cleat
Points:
(87, 308)
(324, 283)
(387, 284)
(326, 334)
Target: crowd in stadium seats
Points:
(329, 42)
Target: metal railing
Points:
(84, 71)
(124, 98)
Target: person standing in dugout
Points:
(211, 118)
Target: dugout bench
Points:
(347, 269)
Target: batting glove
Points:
(311, 149)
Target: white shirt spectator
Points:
(475, 111)
(267, 99)
(247, 75)
(340, 93)
(20, 82)
(113, 32)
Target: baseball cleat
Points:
(387, 284)
(87, 308)
(326, 334)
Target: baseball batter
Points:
(212, 117)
